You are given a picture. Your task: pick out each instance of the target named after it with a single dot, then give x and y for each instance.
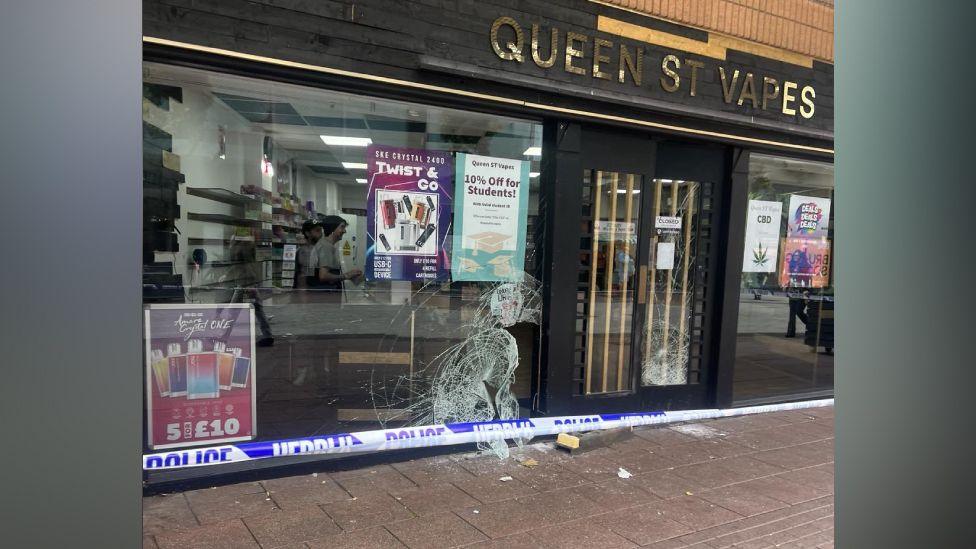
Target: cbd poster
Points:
(490, 225)
(199, 374)
(806, 263)
(408, 213)
(762, 236)
(808, 217)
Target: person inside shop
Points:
(324, 272)
(246, 274)
(799, 264)
(323, 279)
(312, 231)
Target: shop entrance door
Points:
(646, 261)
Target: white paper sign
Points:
(762, 236)
(667, 222)
(289, 252)
(665, 256)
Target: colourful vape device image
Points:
(201, 372)
(225, 365)
(242, 369)
(389, 211)
(419, 211)
(177, 370)
(427, 232)
(160, 371)
(385, 242)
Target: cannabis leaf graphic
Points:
(759, 257)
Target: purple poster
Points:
(408, 213)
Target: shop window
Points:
(786, 309)
(234, 171)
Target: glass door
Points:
(644, 289)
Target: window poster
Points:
(490, 223)
(762, 236)
(806, 263)
(808, 217)
(200, 386)
(408, 213)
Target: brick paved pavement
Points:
(745, 482)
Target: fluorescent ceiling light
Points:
(345, 141)
(665, 181)
(360, 180)
(354, 165)
(624, 191)
(533, 174)
(533, 151)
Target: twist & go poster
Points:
(490, 225)
(199, 374)
(408, 213)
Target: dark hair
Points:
(309, 225)
(330, 223)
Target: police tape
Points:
(443, 435)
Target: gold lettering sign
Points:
(512, 50)
(739, 88)
(572, 51)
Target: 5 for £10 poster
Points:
(199, 374)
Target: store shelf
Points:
(223, 195)
(224, 219)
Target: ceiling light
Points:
(360, 180)
(346, 141)
(533, 174)
(354, 165)
(624, 191)
(533, 151)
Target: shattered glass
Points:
(471, 379)
(668, 337)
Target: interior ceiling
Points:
(296, 126)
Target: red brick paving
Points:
(748, 482)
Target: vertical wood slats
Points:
(689, 213)
(608, 279)
(652, 260)
(628, 217)
(667, 287)
(591, 310)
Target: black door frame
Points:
(568, 147)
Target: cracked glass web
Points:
(470, 380)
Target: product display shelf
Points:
(224, 219)
(223, 195)
(195, 241)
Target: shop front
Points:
(390, 215)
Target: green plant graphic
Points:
(759, 257)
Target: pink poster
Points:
(805, 263)
(200, 386)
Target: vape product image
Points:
(389, 211)
(177, 369)
(407, 232)
(225, 365)
(430, 203)
(408, 204)
(201, 372)
(385, 242)
(427, 232)
(160, 370)
(419, 211)
(242, 369)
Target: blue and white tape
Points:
(442, 435)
